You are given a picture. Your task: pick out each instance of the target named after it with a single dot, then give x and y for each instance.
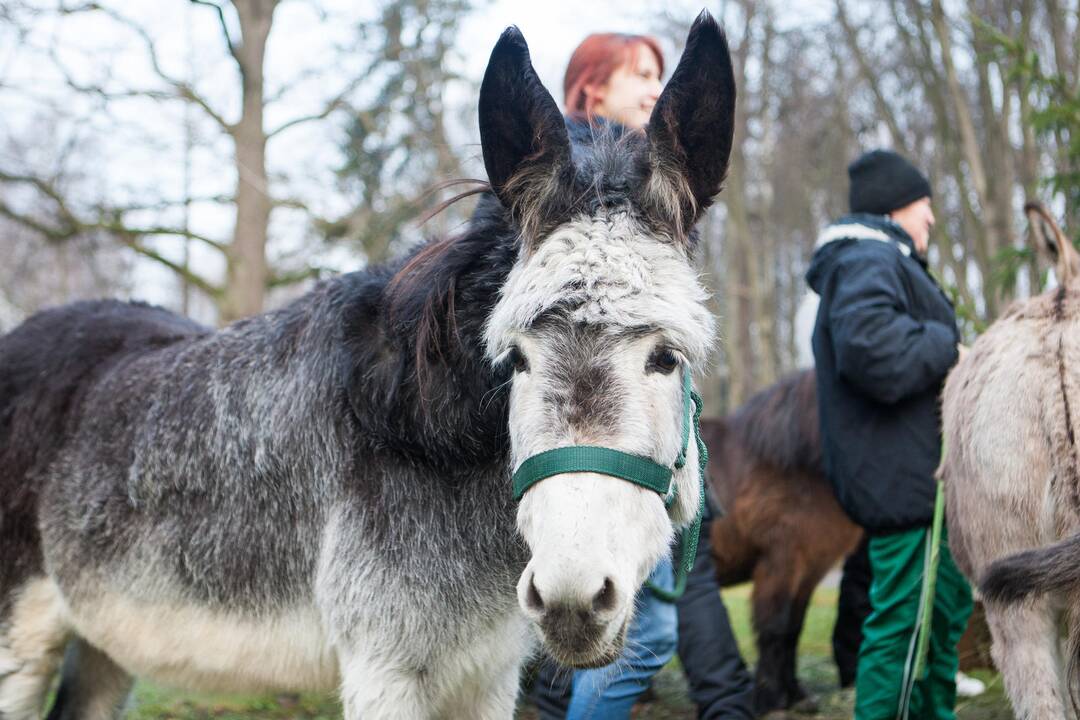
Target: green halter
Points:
(636, 469)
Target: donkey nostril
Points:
(532, 597)
(605, 599)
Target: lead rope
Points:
(915, 667)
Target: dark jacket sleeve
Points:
(879, 347)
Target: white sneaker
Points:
(967, 686)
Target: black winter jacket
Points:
(884, 339)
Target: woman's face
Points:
(631, 91)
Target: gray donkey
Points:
(320, 496)
(1012, 478)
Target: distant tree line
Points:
(983, 94)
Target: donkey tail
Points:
(1031, 573)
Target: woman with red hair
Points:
(613, 80)
(614, 76)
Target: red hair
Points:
(594, 61)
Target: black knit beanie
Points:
(882, 181)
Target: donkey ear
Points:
(691, 127)
(523, 135)
(1053, 242)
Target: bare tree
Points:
(245, 28)
(36, 273)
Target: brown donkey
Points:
(782, 528)
(1012, 479)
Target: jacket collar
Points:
(864, 226)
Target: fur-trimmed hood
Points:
(850, 229)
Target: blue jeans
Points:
(608, 693)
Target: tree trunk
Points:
(1029, 151)
(996, 149)
(969, 143)
(247, 271)
(766, 294)
(738, 308)
(740, 277)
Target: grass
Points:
(816, 670)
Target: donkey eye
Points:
(517, 360)
(663, 360)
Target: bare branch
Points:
(335, 103)
(186, 92)
(224, 25)
(166, 204)
(109, 220)
(100, 91)
(181, 89)
(41, 184)
(51, 234)
(186, 273)
(120, 230)
(293, 203)
(883, 106)
(291, 278)
(46, 188)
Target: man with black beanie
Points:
(884, 340)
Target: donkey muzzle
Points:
(580, 628)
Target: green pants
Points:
(889, 632)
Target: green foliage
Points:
(1056, 112)
(1007, 265)
(968, 319)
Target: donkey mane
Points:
(421, 295)
(779, 425)
(425, 385)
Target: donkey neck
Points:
(417, 378)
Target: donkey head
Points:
(600, 318)
(1052, 241)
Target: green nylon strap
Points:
(687, 394)
(638, 470)
(584, 458)
(689, 537)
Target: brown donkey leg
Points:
(775, 610)
(796, 693)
